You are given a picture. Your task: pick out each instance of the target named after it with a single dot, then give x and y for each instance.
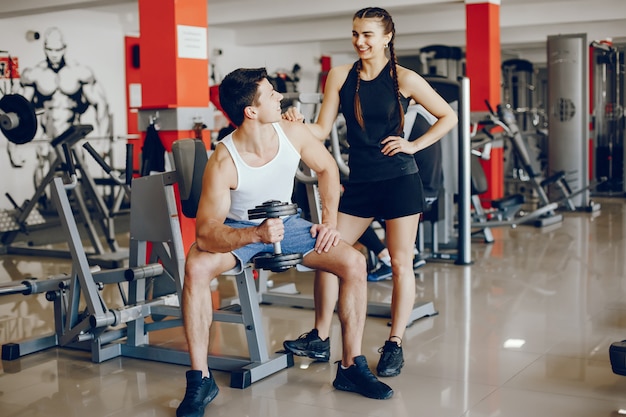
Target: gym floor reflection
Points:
(523, 331)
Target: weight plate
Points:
(267, 211)
(26, 127)
(277, 262)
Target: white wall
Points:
(278, 57)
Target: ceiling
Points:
(525, 24)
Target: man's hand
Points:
(271, 230)
(326, 237)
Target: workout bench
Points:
(111, 332)
(190, 158)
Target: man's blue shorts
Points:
(297, 238)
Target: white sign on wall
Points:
(192, 42)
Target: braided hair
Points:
(388, 27)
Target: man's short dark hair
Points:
(238, 90)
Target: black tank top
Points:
(380, 114)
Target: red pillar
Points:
(483, 68)
(174, 73)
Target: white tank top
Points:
(256, 185)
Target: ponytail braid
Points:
(396, 84)
(358, 112)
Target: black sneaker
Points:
(358, 378)
(199, 393)
(310, 344)
(381, 273)
(391, 359)
(418, 263)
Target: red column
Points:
(483, 68)
(174, 73)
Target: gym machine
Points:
(442, 61)
(154, 290)
(607, 115)
(506, 213)
(440, 220)
(19, 124)
(521, 90)
(439, 64)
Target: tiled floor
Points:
(524, 331)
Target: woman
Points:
(384, 182)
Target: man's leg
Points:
(200, 269)
(325, 295)
(315, 344)
(353, 373)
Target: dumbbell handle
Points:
(277, 249)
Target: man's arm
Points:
(211, 233)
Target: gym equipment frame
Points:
(111, 332)
(86, 187)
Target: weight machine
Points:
(154, 285)
(18, 123)
(507, 208)
(607, 114)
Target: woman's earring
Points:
(386, 46)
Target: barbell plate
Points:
(272, 211)
(26, 127)
(277, 262)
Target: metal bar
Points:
(465, 192)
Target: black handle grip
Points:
(129, 163)
(69, 161)
(95, 155)
(489, 107)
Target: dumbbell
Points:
(277, 261)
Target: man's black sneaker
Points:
(391, 359)
(310, 344)
(358, 378)
(199, 393)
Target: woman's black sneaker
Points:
(199, 393)
(310, 345)
(391, 359)
(358, 378)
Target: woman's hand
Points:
(293, 115)
(393, 145)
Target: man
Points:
(256, 163)
(64, 90)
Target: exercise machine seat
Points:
(435, 210)
(190, 159)
(480, 185)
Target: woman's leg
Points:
(401, 234)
